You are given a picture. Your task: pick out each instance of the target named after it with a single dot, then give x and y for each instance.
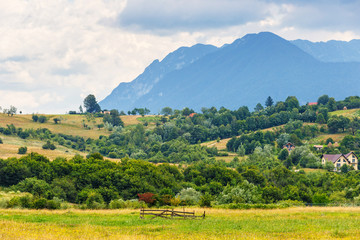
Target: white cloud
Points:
(54, 53)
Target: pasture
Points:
(291, 223)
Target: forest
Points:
(164, 163)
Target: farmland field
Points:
(292, 223)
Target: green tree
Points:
(113, 118)
(258, 107)
(56, 120)
(91, 104)
(320, 118)
(22, 150)
(166, 111)
(291, 102)
(354, 125)
(324, 99)
(269, 102)
(35, 117)
(331, 104)
(284, 153)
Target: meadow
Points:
(291, 223)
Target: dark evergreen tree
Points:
(269, 102)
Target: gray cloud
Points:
(175, 15)
(169, 16)
(326, 15)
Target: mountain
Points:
(331, 51)
(125, 96)
(244, 72)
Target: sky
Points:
(54, 53)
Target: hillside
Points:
(245, 72)
(69, 125)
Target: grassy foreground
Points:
(292, 223)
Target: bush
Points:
(4, 202)
(53, 204)
(148, 197)
(42, 119)
(22, 150)
(35, 186)
(95, 201)
(23, 135)
(117, 204)
(1, 141)
(243, 193)
(35, 117)
(189, 196)
(205, 200)
(49, 145)
(40, 203)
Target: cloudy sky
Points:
(54, 53)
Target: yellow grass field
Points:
(11, 145)
(70, 124)
(347, 113)
(292, 223)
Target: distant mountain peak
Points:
(244, 72)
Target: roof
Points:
(192, 114)
(318, 146)
(332, 157)
(312, 103)
(347, 155)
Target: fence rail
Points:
(169, 213)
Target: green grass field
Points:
(347, 113)
(292, 223)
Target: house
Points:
(339, 160)
(312, 103)
(318, 147)
(289, 146)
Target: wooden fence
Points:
(169, 213)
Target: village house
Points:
(289, 146)
(339, 160)
(318, 147)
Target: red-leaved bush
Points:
(147, 197)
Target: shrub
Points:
(148, 197)
(320, 199)
(35, 117)
(95, 200)
(133, 204)
(205, 200)
(53, 204)
(1, 141)
(42, 119)
(189, 196)
(40, 203)
(35, 186)
(117, 204)
(23, 135)
(4, 202)
(49, 145)
(22, 150)
(244, 193)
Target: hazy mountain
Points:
(242, 73)
(331, 51)
(125, 96)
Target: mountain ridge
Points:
(244, 72)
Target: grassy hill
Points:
(70, 125)
(347, 113)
